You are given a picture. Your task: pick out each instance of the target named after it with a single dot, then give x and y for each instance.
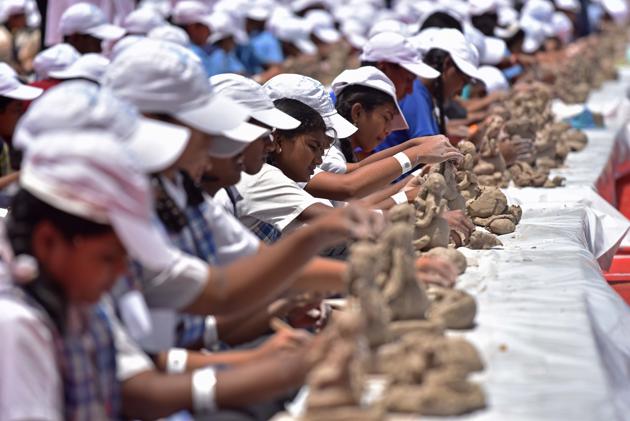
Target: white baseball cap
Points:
(9, 8)
(312, 93)
(372, 78)
(81, 105)
(322, 25)
(568, 5)
(354, 32)
(86, 18)
(462, 52)
(297, 32)
(562, 27)
(90, 174)
(191, 11)
(224, 25)
(170, 33)
(536, 15)
(480, 7)
(251, 94)
(493, 79)
(395, 48)
(89, 66)
(11, 87)
(143, 20)
(617, 9)
(495, 50)
(388, 25)
(57, 57)
(163, 77)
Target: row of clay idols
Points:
(395, 328)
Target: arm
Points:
(389, 203)
(377, 197)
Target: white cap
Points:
(480, 7)
(372, 78)
(617, 9)
(354, 32)
(388, 25)
(163, 77)
(562, 27)
(312, 93)
(170, 33)
(11, 87)
(568, 5)
(251, 94)
(299, 5)
(536, 16)
(297, 32)
(9, 8)
(395, 48)
(495, 50)
(8, 71)
(493, 78)
(259, 13)
(81, 105)
(191, 11)
(91, 175)
(143, 20)
(86, 18)
(89, 66)
(57, 57)
(462, 52)
(322, 26)
(224, 25)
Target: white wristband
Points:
(176, 360)
(400, 198)
(404, 161)
(210, 333)
(203, 390)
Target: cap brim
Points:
(106, 32)
(218, 36)
(227, 146)
(215, 115)
(157, 145)
(70, 73)
(494, 50)
(355, 40)
(23, 93)
(398, 122)
(327, 35)
(342, 127)
(421, 70)
(143, 241)
(276, 118)
(466, 67)
(507, 32)
(305, 46)
(530, 45)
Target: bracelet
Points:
(400, 198)
(210, 333)
(203, 390)
(176, 360)
(404, 161)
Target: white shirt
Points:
(272, 197)
(334, 160)
(30, 384)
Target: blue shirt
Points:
(417, 107)
(204, 57)
(221, 61)
(262, 50)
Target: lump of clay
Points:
(443, 352)
(443, 393)
(524, 175)
(431, 229)
(490, 210)
(455, 308)
(452, 255)
(480, 240)
(336, 381)
(575, 139)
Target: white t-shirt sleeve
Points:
(30, 384)
(232, 240)
(221, 198)
(272, 197)
(334, 161)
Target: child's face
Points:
(255, 155)
(299, 156)
(85, 267)
(195, 159)
(373, 126)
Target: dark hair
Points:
(369, 98)
(441, 20)
(485, 23)
(4, 102)
(519, 36)
(27, 211)
(436, 58)
(310, 119)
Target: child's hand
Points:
(437, 271)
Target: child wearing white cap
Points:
(19, 43)
(262, 56)
(367, 97)
(85, 27)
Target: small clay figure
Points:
(454, 198)
(481, 240)
(455, 308)
(451, 255)
(490, 210)
(467, 183)
(575, 139)
(431, 229)
(491, 169)
(524, 175)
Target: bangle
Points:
(400, 198)
(203, 390)
(210, 333)
(176, 360)
(404, 161)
